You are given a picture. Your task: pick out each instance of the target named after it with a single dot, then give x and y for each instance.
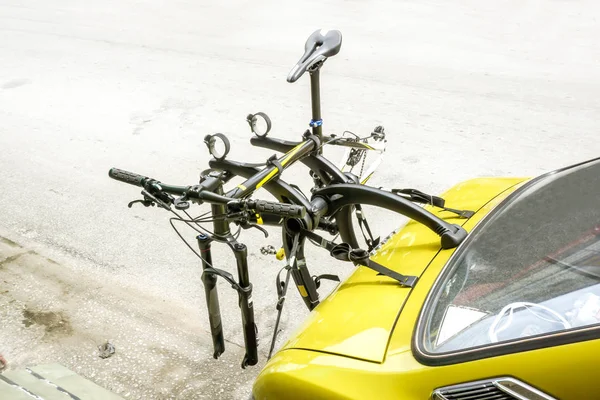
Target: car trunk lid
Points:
(357, 319)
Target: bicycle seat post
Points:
(321, 44)
(315, 97)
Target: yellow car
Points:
(512, 313)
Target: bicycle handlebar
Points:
(199, 192)
(284, 210)
(128, 177)
(150, 184)
(270, 207)
(451, 235)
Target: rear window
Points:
(530, 270)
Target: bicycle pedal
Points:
(268, 249)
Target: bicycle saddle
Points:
(320, 45)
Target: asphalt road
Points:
(464, 89)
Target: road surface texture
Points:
(464, 88)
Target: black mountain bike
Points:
(335, 202)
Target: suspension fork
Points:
(221, 229)
(222, 233)
(246, 304)
(212, 296)
(242, 286)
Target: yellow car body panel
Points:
(357, 342)
(299, 374)
(356, 319)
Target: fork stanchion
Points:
(212, 296)
(246, 305)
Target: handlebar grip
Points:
(127, 177)
(284, 210)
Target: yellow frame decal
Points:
(284, 161)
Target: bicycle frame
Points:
(335, 194)
(334, 182)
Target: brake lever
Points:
(148, 201)
(248, 225)
(145, 202)
(150, 197)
